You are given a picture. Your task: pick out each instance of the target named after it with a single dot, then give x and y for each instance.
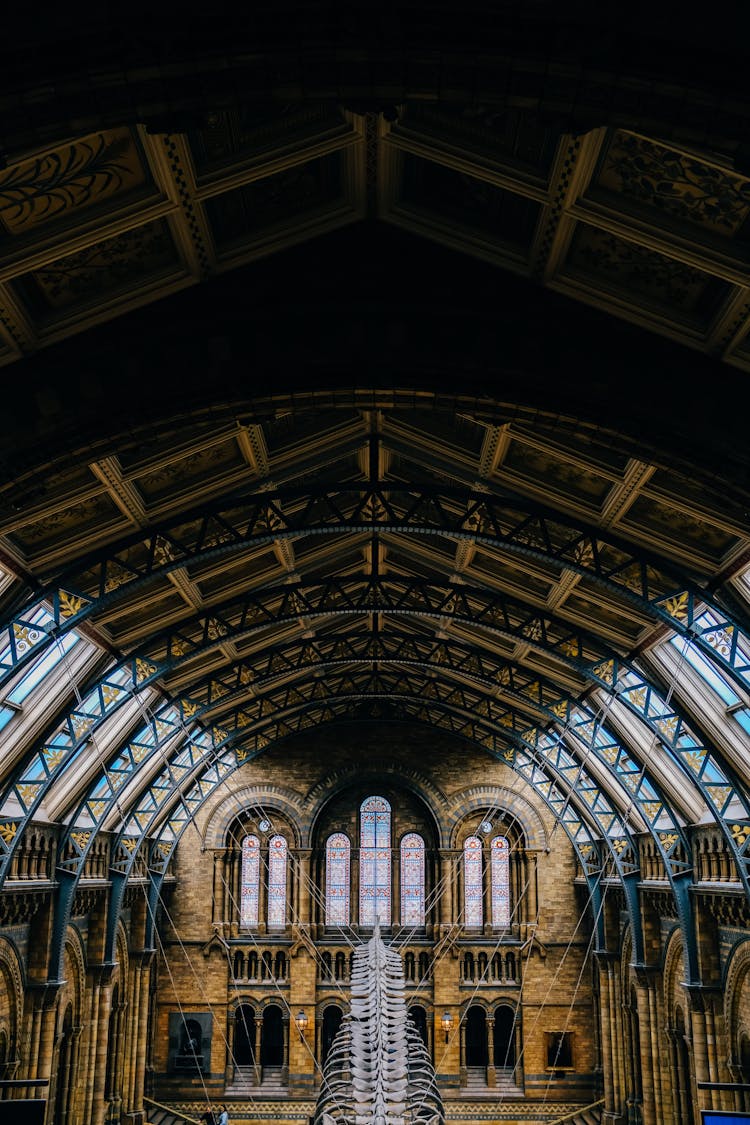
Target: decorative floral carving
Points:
(677, 183)
(106, 265)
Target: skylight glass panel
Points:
(743, 718)
(707, 671)
(42, 667)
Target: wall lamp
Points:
(447, 1022)
(301, 1021)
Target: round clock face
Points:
(486, 826)
(264, 825)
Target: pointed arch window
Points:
(337, 880)
(249, 881)
(500, 881)
(473, 914)
(277, 856)
(412, 880)
(375, 862)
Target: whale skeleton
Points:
(378, 1071)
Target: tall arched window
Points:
(249, 881)
(277, 852)
(473, 915)
(412, 880)
(500, 881)
(337, 880)
(375, 862)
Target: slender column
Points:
(486, 889)
(219, 905)
(653, 1020)
(604, 962)
(700, 1050)
(491, 1072)
(531, 889)
(285, 1028)
(258, 1074)
(230, 893)
(305, 896)
(92, 1044)
(114, 1094)
(75, 1079)
(144, 970)
(396, 887)
(131, 1036)
(47, 1020)
(354, 893)
(446, 878)
(643, 1046)
(102, 1051)
(462, 1044)
(263, 891)
(618, 1045)
(229, 1062)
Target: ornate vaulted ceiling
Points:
(495, 485)
(645, 229)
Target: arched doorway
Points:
(476, 1037)
(419, 1016)
(272, 1050)
(331, 1022)
(244, 1036)
(504, 1038)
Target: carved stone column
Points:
(612, 1112)
(220, 915)
(354, 892)
(285, 1030)
(446, 913)
(258, 1038)
(103, 1049)
(647, 1033)
(304, 912)
(491, 1072)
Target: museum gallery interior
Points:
(374, 565)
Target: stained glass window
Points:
(473, 915)
(375, 862)
(277, 851)
(500, 881)
(412, 880)
(337, 880)
(249, 881)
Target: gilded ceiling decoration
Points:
(640, 228)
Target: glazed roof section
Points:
(548, 598)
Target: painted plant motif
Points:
(675, 182)
(634, 267)
(84, 172)
(106, 265)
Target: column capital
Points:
(604, 958)
(645, 975)
(45, 992)
(703, 997)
